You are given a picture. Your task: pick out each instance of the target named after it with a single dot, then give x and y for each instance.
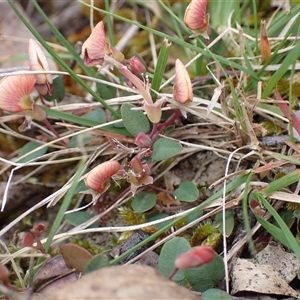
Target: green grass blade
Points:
(65, 205)
(294, 245)
(160, 67)
(281, 183)
(289, 60)
(246, 214)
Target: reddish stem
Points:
(51, 128)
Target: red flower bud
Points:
(195, 258)
(96, 179)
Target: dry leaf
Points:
(75, 256)
(258, 278)
(283, 262)
(167, 200)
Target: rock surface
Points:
(123, 282)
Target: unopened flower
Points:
(95, 49)
(15, 98)
(265, 48)
(137, 66)
(196, 257)
(142, 140)
(97, 179)
(183, 91)
(196, 18)
(39, 62)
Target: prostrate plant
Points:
(97, 51)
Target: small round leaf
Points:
(143, 202)
(28, 148)
(134, 120)
(97, 115)
(79, 217)
(80, 140)
(75, 256)
(186, 192)
(165, 148)
(58, 92)
(207, 276)
(229, 222)
(99, 261)
(215, 294)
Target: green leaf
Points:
(99, 261)
(160, 67)
(207, 276)
(215, 294)
(229, 222)
(80, 140)
(165, 148)
(196, 214)
(143, 202)
(292, 241)
(58, 92)
(168, 254)
(30, 146)
(79, 217)
(186, 192)
(134, 120)
(105, 91)
(97, 115)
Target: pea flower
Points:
(15, 93)
(153, 109)
(138, 175)
(183, 91)
(98, 178)
(97, 51)
(196, 257)
(196, 18)
(39, 62)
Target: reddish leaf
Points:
(75, 256)
(28, 240)
(285, 110)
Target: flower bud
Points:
(265, 49)
(137, 66)
(143, 140)
(39, 62)
(93, 49)
(97, 178)
(196, 18)
(183, 91)
(195, 258)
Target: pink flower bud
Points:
(137, 66)
(183, 91)
(93, 49)
(196, 18)
(265, 48)
(97, 178)
(195, 258)
(39, 62)
(143, 140)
